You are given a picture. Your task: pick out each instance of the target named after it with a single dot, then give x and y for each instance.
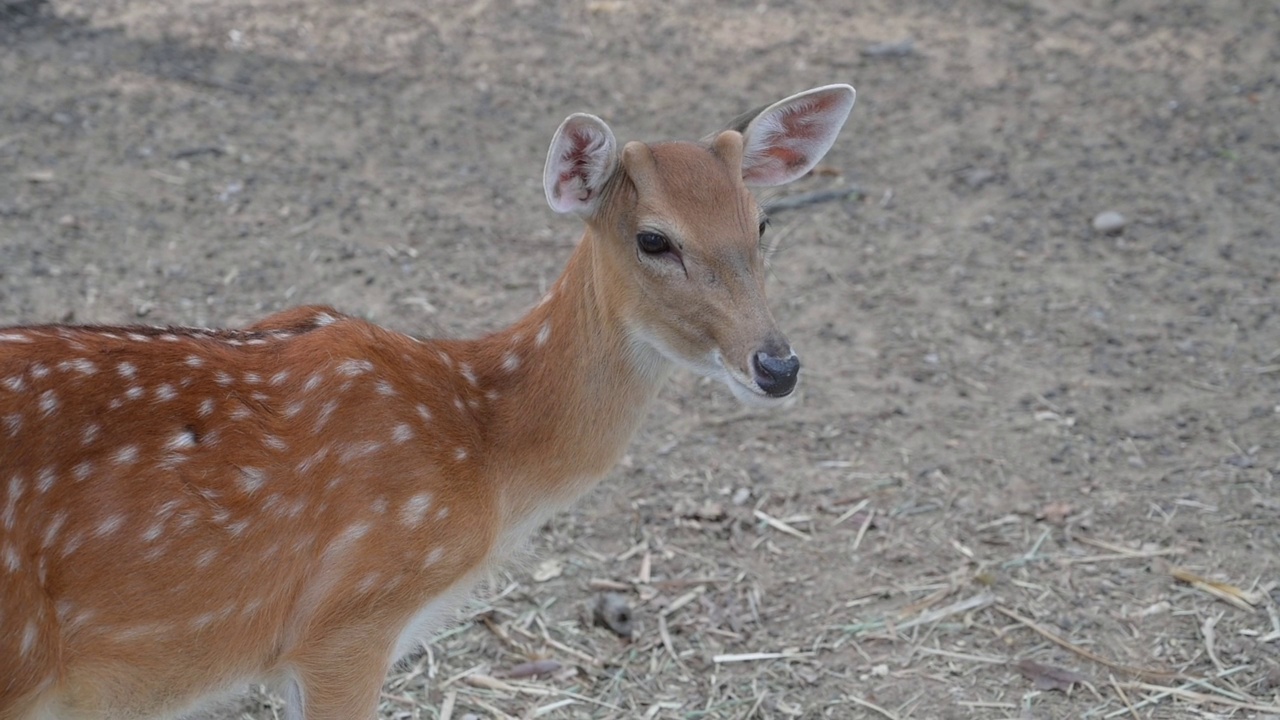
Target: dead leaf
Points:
(548, 569)
(1048, 677)
(1055, 513)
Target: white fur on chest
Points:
(440, 610)
(431, 618)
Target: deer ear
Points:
(582, 158)
(783, 141)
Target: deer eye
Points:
(651, 243)
(763, 224)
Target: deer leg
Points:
(339, 677)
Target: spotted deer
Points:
(303, 502)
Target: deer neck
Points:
(570, 384)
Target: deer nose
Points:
(776, 375)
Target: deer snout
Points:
(776, 370)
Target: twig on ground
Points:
(1201, 698)
(777, 524)
(862, 530)
(976, 602)
(753, 657)
(1061, 642)
(872, 706)
(1207, 630)
(1226, 592)
(1123, 697)
(446, 707)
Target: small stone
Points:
(1109, 222)
(612, 610)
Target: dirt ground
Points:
(1019, 440)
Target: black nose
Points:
(776, 375)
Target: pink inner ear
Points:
(576, 162)
(788, 157)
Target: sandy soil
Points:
(1012, 428)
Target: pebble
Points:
(1109, 222)
(613, 611)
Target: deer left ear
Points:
(783, 141)
(582, 158)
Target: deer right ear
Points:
(582, 158)
(783, 141)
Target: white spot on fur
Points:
(125, 455)
(359, 450)
(251, 479)
(313, 382)
(401, 433)
(293, 408)
(433, 557)
(109, 525)
(252, 378)
(15, 383)
(11, 560)
(48, 402)
(223, 378)
(206, 407)
(82, 470)
(352, 368)
(127, 370)
(510, 362)
(182, 440)
(38, 371)
(194, 361)
(368, 583)
(28, 638)
(279, 378)
(384, 388)
(45, 480)
(323, 416)
(134, 392)
(90, 433)
(322, 319)
(460, 454)
(14, 338)
(80, 365)
(424, 413)
(153, 531)
(312, 460)
(165, 393)
(470, 376)
(13, 421)
(543, 334)
(274, 442)
(415, 509)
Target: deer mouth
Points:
(745, 388)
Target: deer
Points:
(303, 502)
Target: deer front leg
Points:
(339, 677)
